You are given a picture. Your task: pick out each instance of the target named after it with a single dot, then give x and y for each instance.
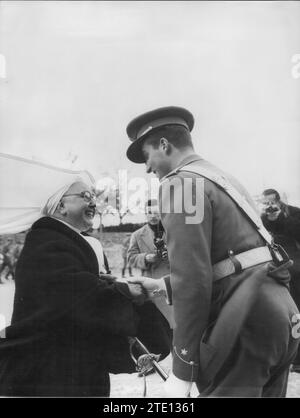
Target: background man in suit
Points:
(283, 222)
(144, 254)
(7, 269)
(229, 297)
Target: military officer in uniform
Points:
(235, 321)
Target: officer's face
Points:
(77, 210)
(156, 159)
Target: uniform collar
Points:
(188, 160)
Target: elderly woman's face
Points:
(80, 206)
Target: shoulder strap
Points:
(235, 195)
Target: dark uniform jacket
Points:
(69, 326)
(198, 302)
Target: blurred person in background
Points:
(1, 264)
(7, 271)
(283, 222)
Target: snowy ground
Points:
(128, 385)
(132, 386)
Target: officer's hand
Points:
(177, 388)
(137, 292)
(151, 258)
(154, 287)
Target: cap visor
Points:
(134, 152)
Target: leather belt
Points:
(246, 260)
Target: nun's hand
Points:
(137, 292)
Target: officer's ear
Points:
(165, 145)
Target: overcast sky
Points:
(77, 72)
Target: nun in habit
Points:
(71, 320)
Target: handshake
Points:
(143, 288)
(140, 288)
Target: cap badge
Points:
(147, 130)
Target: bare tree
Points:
(103, 207)
(121, 210)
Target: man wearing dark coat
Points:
(71, 321)
(283, 222)
(235, 321)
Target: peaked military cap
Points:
(140, 127)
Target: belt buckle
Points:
(279, 255)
